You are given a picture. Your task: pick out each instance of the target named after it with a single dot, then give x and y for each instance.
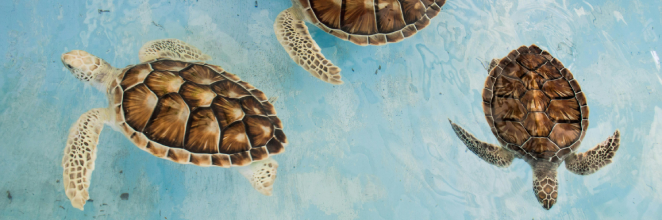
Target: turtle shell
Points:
(534, 105)
(195, 113)
(374, 22)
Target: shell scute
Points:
(201, 75)
(559, 88)
(203, 132)
(275, 147)
(203, 160)
(259, 95)
(168, 123)
(252, 106)
(163, 82)
(377, 39)
(138, 103)
(534, 49)
(512, 69)
(197, 95)
(241, 159)
(169, 65)
(512, 132)
(389, 16)
(221, 160)
(359, 17)
(234, 139)
(507, 109)
(538, 124)
(328, 12)
(135, 75)
(227, 110)
(230, 90)
(564, 110)
(508, 87)
(178, 155)
(548, 71)
(413, 10)
(157, 149)
(260, 130)
(535, 100)
(259, 153)
(532, 80)
(565, 134)
(531, 61)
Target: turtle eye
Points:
(69, 66)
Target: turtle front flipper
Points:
(293, 34)
(171, 49)
(591, 161)
(79, 155)
(490, 153)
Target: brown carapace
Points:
(534, 106)
(196, 113)
(538, 112)
(374, 22)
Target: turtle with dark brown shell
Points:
(538, 112)
(187, 112)
(363, 22)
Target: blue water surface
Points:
(377, 147)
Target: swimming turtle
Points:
(176, 109)
(538, 112)
(363, 22)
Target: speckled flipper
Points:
(491, 153)
(79, 155)
(591, 161)
(171, 49)
(261, 174)
(293, 34)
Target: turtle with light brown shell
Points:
(538, 112)
(363, 22)
(176, 109)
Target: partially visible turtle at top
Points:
(538, 112)
(187, 112)
(363, 22)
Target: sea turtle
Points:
(363, 22)
(176, 109)
(538, 113)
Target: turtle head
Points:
(87, 67)
(545, 184)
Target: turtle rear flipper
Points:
(79, 155)
(293, 34)
(490, 153)
(171, 49)
(261, 175)
(592, 160)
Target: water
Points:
(377, 147)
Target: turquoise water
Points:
(377, 147)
